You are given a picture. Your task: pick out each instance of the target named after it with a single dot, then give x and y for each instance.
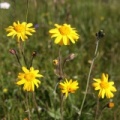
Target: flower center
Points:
(104, 85)
(69, 89)
(64, 30)
(29, 76)
(19, 28)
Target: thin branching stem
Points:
(88, 80)
(21, 49)
(18, 59)
(24, 59)
(31, 61)
(60, 72)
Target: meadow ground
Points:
(88, 17)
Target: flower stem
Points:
(60, 64)
(28, 107)
(36, 105)
(88, 80)
(97, 110)
(16, 55)
(21, 49)
(61, 106)
(55, 102)
(27, 10)
(33, 56)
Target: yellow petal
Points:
(25, 69)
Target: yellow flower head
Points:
(21, 30)
(105, 88)
(5, 90)
(55, 62)
(28, 78)
(68, 86)
(64, 34)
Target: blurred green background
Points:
(88, 17)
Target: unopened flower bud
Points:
(100, 34)
(110, 105)
(60, 78)
(70, 57)
(12, 51)
(34, 53)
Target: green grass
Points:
(88, 17)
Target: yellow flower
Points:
(28, 78)
(5, 90)
(64, 34)
(21, 30)
(55, 62)
(105, 88)
(68, 86)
